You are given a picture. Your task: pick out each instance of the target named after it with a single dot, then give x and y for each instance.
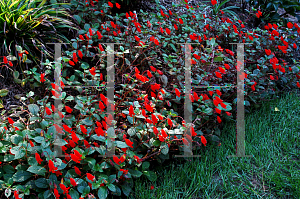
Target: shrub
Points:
(148, 99)
(269, 10)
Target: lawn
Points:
(272, 137)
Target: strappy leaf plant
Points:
(31, 24)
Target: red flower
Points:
(177, 92)
(170, 123)
(213, 2)
(290, 25)
(131, 111)
(203, 140)
(129, 143)
(71, 63)
(155, 131)
(83, 129)
(222, 70)
(154, 119)
(64, 188)
(219, 119)
(175, 26)
(74, 137)
(219, 92)
(268, 51)
(56, 193)
(81, 37)
(10, 63)
(80, 54)
(294, 46)
(137, 38)
(38, 158)
(196, 96)
(73, 182)
(148, 108)
(92, 71)
(90, 176)
(31, 143)
(77, 171)
(168, 31)
(229, 114)
(118, 6)
(16, 195)
(42, 77)
(116, 160)
(5, 60)
(110, 4)
(218, 110)
(68, 109)
(185, 142)
(75, 158)
(152, 187)
(193, 131)
(180, 21)
(223, 105)
(100, 47)
(298, 84)
(159, 72)
(52, 168)
(271, 77)
(219, 75)
(10, 120)
(163, 133)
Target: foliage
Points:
(269, 9)
(31, 24)
(147, 109)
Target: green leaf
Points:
(102, 192)
(111, 132)
(3, 92)
(39, 139)
(130, 119)
(33, 108)
(131, 131)
(164, 148)
(145, 165)
(126, 189)
(135, 173)
(156, 143)
(218, 59)
(41, 183)
(112, 187)
(37, 170)
(77, 18)
(47, 194)
(121, 144)
(20, 153)
(87, 122)
(16, 139)
(151, 175)
(91, 162)
(8, 169)
(74, 194)
(21, 176)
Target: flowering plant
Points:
(146, 120)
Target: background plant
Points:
(149, 93)
(31, 24)
(269, 10)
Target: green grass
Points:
(274, 171)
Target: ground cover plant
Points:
(149, 94)
(272, 172)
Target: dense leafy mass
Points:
(147, 120)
